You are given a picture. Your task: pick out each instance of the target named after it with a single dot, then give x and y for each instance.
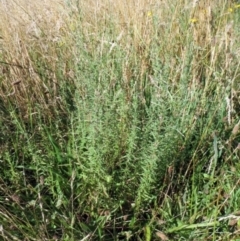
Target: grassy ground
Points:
(119, 120)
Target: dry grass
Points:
(37, 42)
(31, 33)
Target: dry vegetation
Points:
(35, 35)
(31, 33)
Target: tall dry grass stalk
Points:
(30, 36)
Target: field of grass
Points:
(120, 120)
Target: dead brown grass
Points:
(30, 33)
(37, 39)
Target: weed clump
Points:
(109, 130)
